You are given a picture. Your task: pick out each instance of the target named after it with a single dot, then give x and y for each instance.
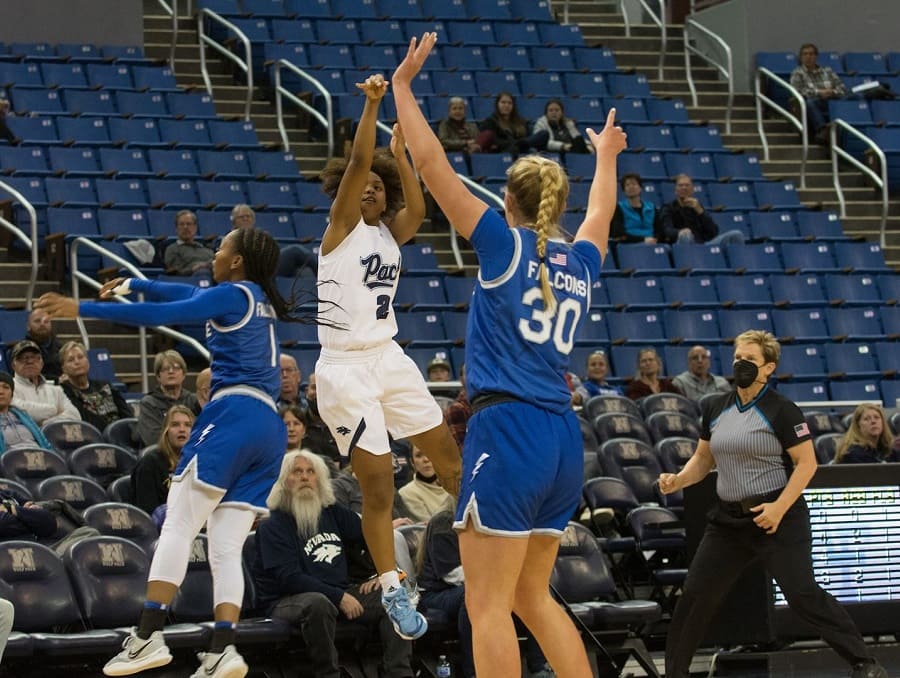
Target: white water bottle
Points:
(444, 669)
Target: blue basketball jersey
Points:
(512, 345)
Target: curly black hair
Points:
(384, 164)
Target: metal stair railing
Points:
(657, 17)
(798, 123)
(171, 8)
(246, 66)
(694, 30)
(281, 93)
(30, 241)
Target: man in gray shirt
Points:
(696, 381)
(186, 256)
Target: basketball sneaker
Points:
(408, 623)
(225, 664)
(139, 654)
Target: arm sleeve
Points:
(11, 527)
(494, 244)
(839, 87)
(790, 426)
(708, 225)
(215, 302)
(162, 291)
(67, 410)
(667, 229)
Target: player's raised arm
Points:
(408, 220)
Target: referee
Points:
(760, 444)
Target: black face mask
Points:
(745, 373)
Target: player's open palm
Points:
(415, 58)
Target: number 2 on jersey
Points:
(384, 306)
(561, 325)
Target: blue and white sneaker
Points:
(139, 655)
(408, 623)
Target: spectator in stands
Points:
(24, 520)
(186, 256)
(318, 436)
(647, 380)
(290, 382)
(442, 581)
(817, 85)
(293, 258)
(595, 382)
(439, 369)
(303, 567)
(44, 402)
(459, 411)
(562, 134)
(868, 440)
(40, 331)
(685, 220)
(18, 428)
(505, 131)
(455, 132)
(170, 370)
(5, 131)
(201, 386)
(635, 220)
(152, 475)
(423, 495)
(98, 402)
(696, 381)
(294, 418)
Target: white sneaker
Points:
(226, 664)
(139, 655)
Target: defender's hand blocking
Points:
(374, 87)
(612, 139)
(57, 306)
(415, 58)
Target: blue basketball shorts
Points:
(522, 470)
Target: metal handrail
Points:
(245, 66)
(880, 179)
(799, 124)
(658, 19)
(31, 242)
(172, 11)
(726, 70)
(78, 276)
(326, 120)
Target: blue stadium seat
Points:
(472, 33)
(489, 10)
(699, 138)
(690, 291)
(123, 53)
(733, 196)
(463, 83)
(890, 391)
(802, 362)
(860, 256)
(854, 323)
(852, 360)
(595, 59)
(74, 161)
(517, 33)
(263, 8)
(855, 290)
(424, 293)
(889, 285)
(490, 165)
(635, 293)
(186, 133)
(221, 194)
(561, 35)
(459, 290)
(738, 166)
(643, 327)
(109, 76)
(64, 75)
(808, 257)
(643, 259)
(699, 166)
(628, 111)
(293, 52)
(310, 196)
(273, 164)
(599, 296)
(856, 390)
(803, 391)
(88, 102)
(122, 223)
(333, 55)
(33, 101)
(651, 137)
(800, 324)
(852, 111)
(777, 195)
(26, 74)
(279, 224)
(70, 192)
(233, 134)
(173, 163)
(797, 290)
(530, 10)
(423, 328)
(885, 112)
(190, 105)
(445, 9)
(589, 87)
(34, 130)
(125, 162)
(696, 258)
(172, 193)
(24, 160)
(693, 326)
(83, 131)
(141, 104)
(154, 78)
(593, 331)
(865, 63)
(224, 164)
(742, 291)
(548, 84)
(773, 226)
(271, 194)
(780, 63)
(733, 322)
(399, 9)
(419, 259)
(650, 165)
(629, 85)
(668, 111)
(455, 325)
(375, 57)
(416, 27)
(72, 221)
(553, 59)
(465, 57)
(31, 188)
(819, 225)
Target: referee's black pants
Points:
(729, 545)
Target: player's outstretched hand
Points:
(398, 141)
(57, 306)
(374, 87)
(415, 58)
(612, 139)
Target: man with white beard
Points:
(301, 567)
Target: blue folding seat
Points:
(124, 53)
(804, 289)
(233, 134)
(279, 224)
(780, 63)
(488, 10)
(310, 196)
(419, 259)
(627, 110)
(856, 390)
(83, 131)
(553, 59)
(734, 322)
(642, 327)
(122, 223)
(416, 27)
(74, 161)
(595, 60)
(773, 226)
(693, 291)
(224, 164)
(422, 328)
(492, 83)
(70, 192)
(73, 221)
(699, 166)
(699, 138)
(741, 291)
(860, 256)
(491, 165)
(852, 360)
(865, 63)
(698, 326)
(397, 9)
(465, 57)
(668, 111)
(109, 76)
(68, 75)
(272, 194)
(185, 133)
(444, 9)
(588, 111)
(32, 189)
(509, 33)
(890, 391)
(802, 362)
(593, 331)
(738, 166)
(651, 137)
(24, 160)
(309, 228)
(885, 112)
(161, 223)
(460, 83)
(777, 195)
(852, 111)
(310, 8)
(531, 10)
(733, 196)
(819, 225)
(121, 192)
(190, 105)
(88, 102)
(124, 162)
(854, 322)
(805, 257)
(221, 194)
(331, 56)
(263, 8)
(173, 163)
(697, 258)
(561, 35)
(78, 52)
(172, 193)
(635, 293)
(141, 104)
(295, 31)
(641, 258)
(256, 30)
(27, 74)
(629, 85)
(155, 78)
(459, 290)
(36, 130)
(32, 101)
(427, 293)
(852, 290)
(375, 57)
(889, 286)
(543, 84)
(800, 324)
(803, 391)
(512, 58)
(587, 87)
(472, 33)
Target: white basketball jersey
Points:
(357, 282)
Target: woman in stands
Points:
(595, 382)
(505, 131)
(868, 440)
(455, 132)
(152, 476)
(234, 453)
(99, 403)
(760, 444)
(522, 461)
(366, 386)
(647, 380)
(562, 134)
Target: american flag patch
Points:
(801, 430)
(559, 259)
